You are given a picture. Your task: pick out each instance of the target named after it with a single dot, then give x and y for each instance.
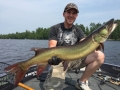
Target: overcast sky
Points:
(22, 15)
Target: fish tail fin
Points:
(40, 69)
(17, 70)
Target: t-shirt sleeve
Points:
(52, 33)
(80, 34)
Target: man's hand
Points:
(54, 61)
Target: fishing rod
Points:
(107, 78)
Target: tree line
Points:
(42, 33)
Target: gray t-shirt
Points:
(65, 36)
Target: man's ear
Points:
(77, 15)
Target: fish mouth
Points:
(99, 35)
(111, 25)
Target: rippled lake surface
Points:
(12, 50)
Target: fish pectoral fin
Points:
(40, 68)
(100, 47)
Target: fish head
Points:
(101, 34)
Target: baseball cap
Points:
(70, 6)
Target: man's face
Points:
(70, 16)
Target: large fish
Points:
(65, 53)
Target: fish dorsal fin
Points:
(37, 50)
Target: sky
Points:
(22, 15)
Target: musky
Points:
(22, 15)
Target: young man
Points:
(64, 34)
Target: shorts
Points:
(56, 77)
(77, 64)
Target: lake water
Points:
(12, 50)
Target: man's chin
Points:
(70, 23)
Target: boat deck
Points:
(95, 82)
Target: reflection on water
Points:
(12, 50)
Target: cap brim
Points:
(72, 8)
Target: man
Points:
(64, 34)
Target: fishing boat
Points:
(107, 77)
